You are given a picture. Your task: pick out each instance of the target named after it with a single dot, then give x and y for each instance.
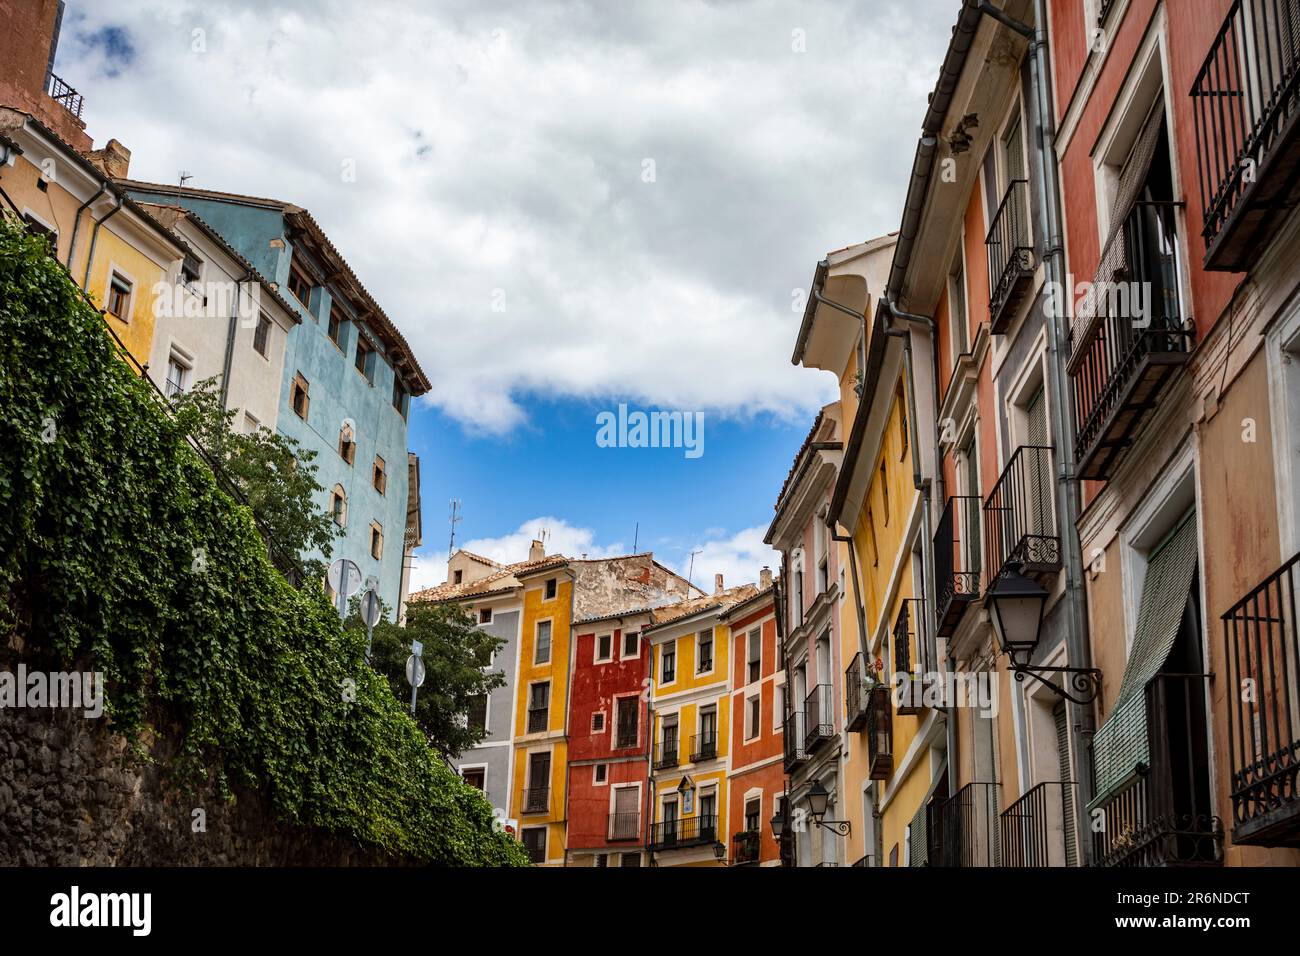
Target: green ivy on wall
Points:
(120, 552)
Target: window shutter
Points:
(1060, 718)
(1121, 743)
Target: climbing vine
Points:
(120, 551)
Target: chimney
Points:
(765, 578)
(717, 584)
(536, 551)
(114, 160)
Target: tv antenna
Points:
(184, 177)
(636, 536)
(454, 519)
(690, 575)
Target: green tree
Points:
(273, 472)
(457, 658)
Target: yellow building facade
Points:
(540, 741)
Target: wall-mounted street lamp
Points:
(1016, 607)
(720, 853)
(818, 799)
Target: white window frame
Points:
(749, 659)
(481, 611)
(1283, 349)
(116, 270)
(595, 648)
(613, 804)
(713, 650)
(756, 731)
(778, 712)
(595, 781)
(604, 722)
(550, 642)
(623, 654)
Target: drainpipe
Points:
(76, 223)
(94, 238)
(1068, 490)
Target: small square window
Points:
(598, 722)
(363, 362)
(604, 648)
(602, 860)
(376, 540)
(347, 444)
(300, 285)
(485, 615)
(399, 395)
(379, 477)
(336, 323)
(261, 335)
(339, 506)
(178, 376)
(298, 396)
(631, 644)
(551, 589)
(119, 297)
(601, 773)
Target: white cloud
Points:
(738, 559)
(499, 154)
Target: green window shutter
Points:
(918, 842)
(1121, 742)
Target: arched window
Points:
(339, 506)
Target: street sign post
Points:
(370, 611)
(415, 670)
(345, 579)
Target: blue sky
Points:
(563, 205)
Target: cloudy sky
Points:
(564, 206)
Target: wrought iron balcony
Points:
(704, 746)
(911, 655)
(666, 754)
(1161, 815)
(1011, 257)
(957, 560)
(865, 861)
(857, 697)
(65, 95)
(1020, 516)
(1262, 647)
(880, 733)
(1247, 139)
(684, 832)
(1038, 829)
(538, 718)
(1130, 339)
(819, 710)
(963, 830)
(536, 799)
(792, 736)
(749, 844)
(625, 826)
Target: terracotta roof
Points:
(719, 601)
(301, 220)
(758, 595)
(505, 578)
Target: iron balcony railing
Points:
(880, 733)
(963, 830)
(748, 845)
(666, 753)
(1262, 654)
(1019, 516)
(65, 96)
(1038, 829)
(538, 718)
(704, 746)
(792, 731)
(625, 826)
(1161, 815)
(912, 656)
(857, 696)
(1011, 257)
(865, 861)
(957, 559)
(684, 832)
(819, 708)
(1245, 99)
(536, 799)
(1130, 338)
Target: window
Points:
(336, 323)
(363, 361)
(251, 424)
(539, 706)
(631, 644)
(539, 782)
(191, 273)
(298, 397)
(602, 860)
(778, 707)
(399, 396)
(534, 841)
(119, 297)
(600, 772)
(604, 648)
(668, 663)
(884, 491)
(875, 548)
(551, 589)
(598, 722)
(484, 613)
(628, 721)
(347, 443)
(707, 745)
(754, 652)
(178, 375)
(476, 716)
(261, 334)
(708, 813)
(630, 859)
(38, 228)
(753, 720)
(902, 422)
(379, 475)
(542, 650)
(457, 576)
(476, 777)
(376, 540)
(957, 310)
(704, 657)
(300, 285)
(339, 506)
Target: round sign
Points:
(414, 671)
(344, 577)
(370, 608)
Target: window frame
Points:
(550, 640)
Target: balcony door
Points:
(670, 821)
(1039, 471)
